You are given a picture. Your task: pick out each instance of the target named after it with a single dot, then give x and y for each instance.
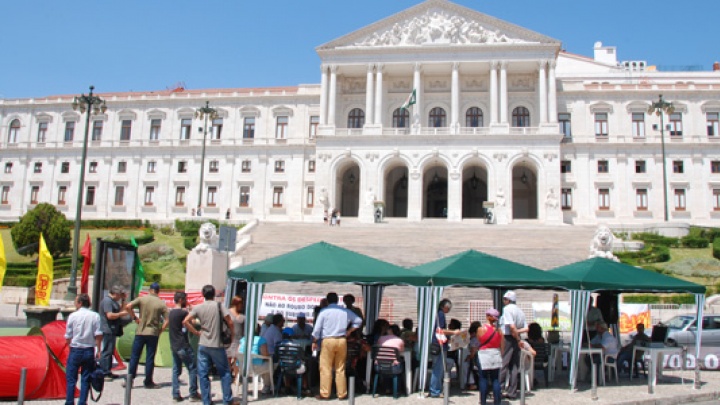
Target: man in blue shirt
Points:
(436, 377)
(84, 336)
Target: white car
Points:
(682, 330)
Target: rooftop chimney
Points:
(605, 54)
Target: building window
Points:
(474, 117)
(310, 202)
(182, 166)
(314, 124)
(244, 196)
(641, 199)
(34, 191)
(125, 130)
(279, 166)
(638, 125)
(4, 197)
(603, 166)
(601, 124)
(216, 130)
(122, 166)
(281, 127)
(155, 126)
(680, 199)
(119, 196)
(565, 166)
(65, 167)
(14, 131)
(311, 166)
(246, 166)
(715, 166)
(249, 128)
(565, 127)
(180, 196)
(356, 118)
(604, 199)
(69, 131)
(566, 199)
(37, 167)
(151, 166)
(520, 117)
(149, 195)
(640, 167)
(675, 124)
(185, 128)
(401, 118)
(214, 166)
(212, 196)
(90, 196)
(713, 128)
(62, 190)
(678, 167)
(42, 131)
(438, 118)
(278, 197)
(92, 168)
(8, 167)
(716, 199)
(97, 130)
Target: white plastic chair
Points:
(611, 365)
(257, 370)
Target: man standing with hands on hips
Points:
(152, 313)
(513, 324)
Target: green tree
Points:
(45, 219)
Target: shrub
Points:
(167, 230)
(694, 242)
(655, 239)
(189, 242)
(651, 254)
(716, 248)
(108, 223)
(147, 237)
(659, 299)
(191, 228)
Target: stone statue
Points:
(324, 199)
(370, 197)
(500, 197)
(208, 238)
(551, 201)
(602, 243)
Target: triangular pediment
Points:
(438, 23)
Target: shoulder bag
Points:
(490, 359)
(225, 332)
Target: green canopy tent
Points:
(320, 263)
(474, 269)
(599, 274)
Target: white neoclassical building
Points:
(502, 115)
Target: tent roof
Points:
(322, 262)
(477, 269)
(604, 274)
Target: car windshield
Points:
(679, 322)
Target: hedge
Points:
(694, 242)
(716, 248)
(147, 237)
(111, 223)
(189, 242)
(651, 254)
(659, 299)
(655, 239)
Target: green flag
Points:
(410, 100)
(139, 271)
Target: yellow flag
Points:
(43, 285)
(3, 263)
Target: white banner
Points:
(289, 305)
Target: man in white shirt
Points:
(84, 336)
(603, 340)
(513, 324)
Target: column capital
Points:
(333, 68)
(379, 67)
(323, 68)
(370, 67)
(552, 63)
(503, 64)
(494, 64)
(456, 65)
(417, 67)
(542, 64)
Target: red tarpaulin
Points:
(44, 380)
(55, 338)
(193, 298)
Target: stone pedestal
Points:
(502, 216)
(40, 316)
(553, 216)
(206, 266)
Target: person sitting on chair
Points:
(603, 340)
(625, 355)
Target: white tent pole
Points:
(700, 304)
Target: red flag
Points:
(86, 253)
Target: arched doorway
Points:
(524, 192)
(348, 184)
(474, 192)
(435, 185)
(396, 192)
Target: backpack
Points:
(97, 382)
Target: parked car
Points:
(682, 330)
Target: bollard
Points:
(593, 390)
(128, 389)
(446, 388)
(21, 390)
(351, 390)
(245, 390)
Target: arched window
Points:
(474, 117)
(14, 131)
(401, 118)
(438, 118)
(356, 118)
(521, 117)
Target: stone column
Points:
(369, 95)
(503, 93)
(418, 107)
(454, 197)
(542, 92)
(378, 94)
(415, 196)
(455, 98)
(493, 93)
(552, 93)
(323, 94)
(333, 95)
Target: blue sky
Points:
(52, 47)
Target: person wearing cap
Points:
(512, 324)
(153, 311)
(301, 330)
(490, 341)
(111, 325)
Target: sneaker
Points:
(195, 398)
(152, 386)
(177, 399)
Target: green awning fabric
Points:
(321, 263)
(604, 274)
(476, 269)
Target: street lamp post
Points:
(660, 108)
(203, 112)
(89, 104)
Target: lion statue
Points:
(602, 244)
(208, 237)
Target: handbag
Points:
(435, 349)
(490, 359)
(97, 382)
(225, 333)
